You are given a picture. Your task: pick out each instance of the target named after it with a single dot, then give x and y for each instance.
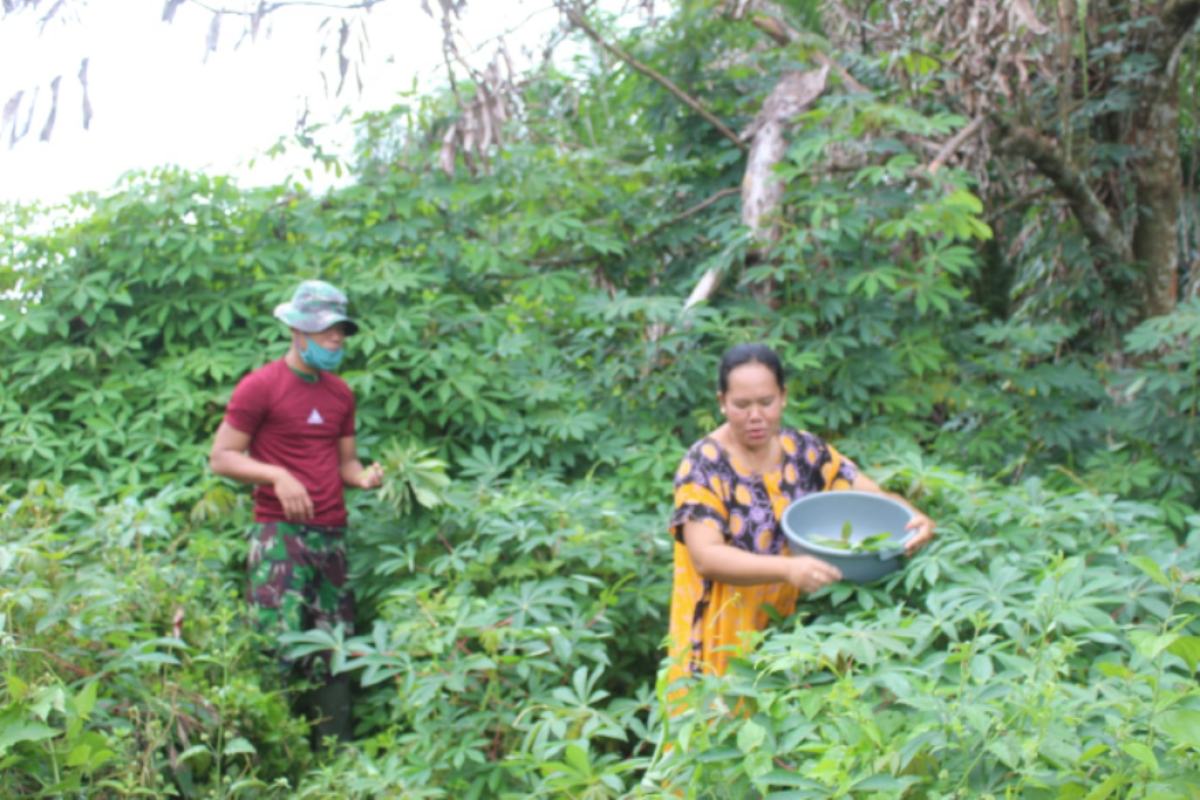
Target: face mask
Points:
(318, 357)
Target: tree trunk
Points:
(1159, 191)
(762, 192)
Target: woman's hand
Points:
(924, 526)
(810, 574)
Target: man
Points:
(289, 431)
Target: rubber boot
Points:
(328, 709)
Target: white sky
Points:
(156, 102)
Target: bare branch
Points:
(685, 214)
(955, 142)
(784, 34)
(578, 21)
(265, 8)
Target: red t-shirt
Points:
(296, 425)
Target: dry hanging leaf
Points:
(169, 10)
(214, 35)
(87, 102)
(48, 128)
(256, 19)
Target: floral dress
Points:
(708, 617)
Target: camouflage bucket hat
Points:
(315, 306)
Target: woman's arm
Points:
(718, 561)
(923, 524)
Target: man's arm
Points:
(228, 458)
(353, 472)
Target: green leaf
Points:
(751, 736)
(1105, 789)
(1187, 648)
(577, 758)
(981, 668)
(1143, 754)
(878, 783)
(85, 701)
(24, 731)
(239, 745)
(1182, 725)
(1151, 645)
(1008, 750)
(194, 750)
(1151, 569)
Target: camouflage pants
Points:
(297, 582)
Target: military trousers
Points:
(296, 582)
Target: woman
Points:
(731, 489)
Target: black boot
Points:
(328, 709)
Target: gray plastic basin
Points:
(822, 516)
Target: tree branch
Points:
(1177, 19)
(1098, 224)
(682, 215)
(234, 12)
(783, 34)
(956, 141)
(577, 19)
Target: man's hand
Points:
(371, 477)
(297, 505)
(924, 527)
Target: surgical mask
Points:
(320, 358)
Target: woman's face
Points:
(753, 405)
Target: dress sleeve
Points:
(700, 491)
(839, 472)
(248, 407)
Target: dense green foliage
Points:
(525, 372)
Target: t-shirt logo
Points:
(315, 418)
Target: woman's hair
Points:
(741, 354)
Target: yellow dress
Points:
(708, 618)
